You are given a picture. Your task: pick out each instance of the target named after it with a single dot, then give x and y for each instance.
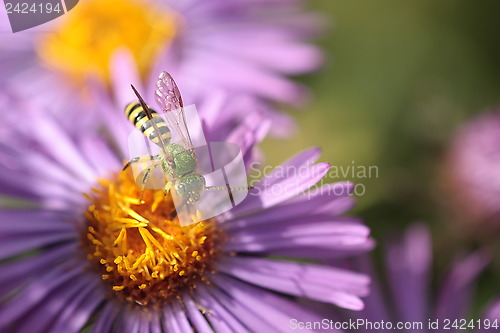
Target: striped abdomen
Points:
(137, 116)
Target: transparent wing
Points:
(169, 99)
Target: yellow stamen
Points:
(142, 251)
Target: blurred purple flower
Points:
(473, 170)
(409, 297)
(246, 47)
(48, 285)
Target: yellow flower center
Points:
(141, 250)
(89, 35)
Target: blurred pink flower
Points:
(404, 293)
(246, 47)
(473, 171)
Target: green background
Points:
(399, 78)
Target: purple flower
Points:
(106, 261)
(409, 299)
(473, 171)
(247, 47)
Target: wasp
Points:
(178, 160)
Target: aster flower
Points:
(409, 299)
(106, 261)
(246, 47)
(472, 171)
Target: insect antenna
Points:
(234, 188)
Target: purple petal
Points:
(271, 86)
(48, 193)
(408, 263)
(303, 205)
(124, 73)
(197, 319)
(322, 235)
(274, 190)
(282, 56)
(220, 318)
(258, 309)
(180, 315)
(375, 303)
(297, 162)
(256, 322)
(99, 154)
(25, 222)
(65, 151)
(316, 282)
(310, 252)
(13, 246)
(307, 226)
(170, 322)
(18, 271)
(79, 309)
(155, 324)
(47, 312)
(36, 292)
(455, 294)
(107, 317)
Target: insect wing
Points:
(169, 99)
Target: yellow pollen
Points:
(141, 250)
(87, 38)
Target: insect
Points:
(178, 160)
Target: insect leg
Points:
(145, 178)
(141, 159)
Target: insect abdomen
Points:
(137, 116)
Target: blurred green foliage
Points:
(399, 78)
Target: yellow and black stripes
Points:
(137, 116)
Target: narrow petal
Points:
(326, 202)
(46, 313)
(79, 309)
(65, 151)
(272, 86)
(19, 271)
(195, 317)
(220, 318)
(408, 262)
(106, 318)
(10, 247)
(455, 295)
(124, 73)
(36, 292)
(22, 222)
(266, 194)
(259, 309)
(180, 315)
(304, 280)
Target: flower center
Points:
(140, 248)
(89, 35)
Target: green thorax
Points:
(179, 161)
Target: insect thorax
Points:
(179, 162)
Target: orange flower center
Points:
(140, 248)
